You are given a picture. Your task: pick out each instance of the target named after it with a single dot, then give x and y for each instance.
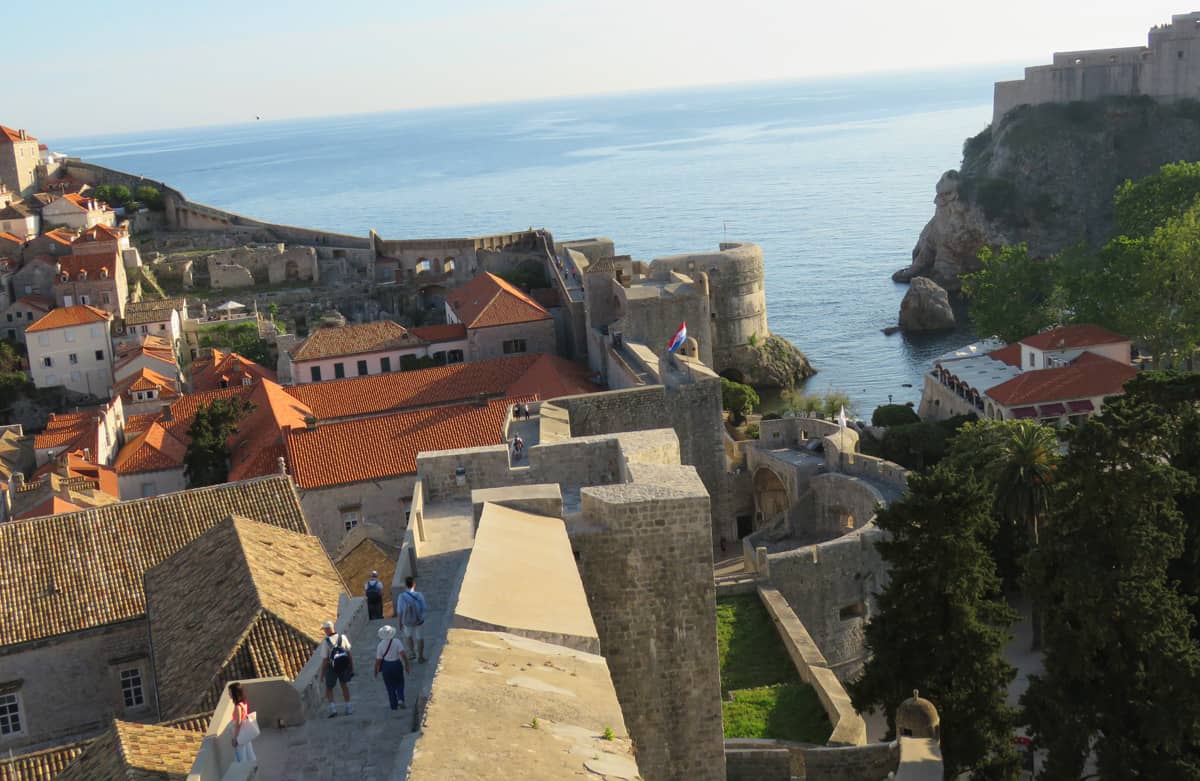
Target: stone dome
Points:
(917, 718)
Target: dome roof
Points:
(916, 717)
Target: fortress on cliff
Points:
(1167, 68)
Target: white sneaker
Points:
(349, 709)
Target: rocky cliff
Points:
(1045, 176)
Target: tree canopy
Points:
(1012, 295)
(206, 460)
(738, 399)
(943, 623)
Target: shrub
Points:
(752, 431)
(738, 399)
(894, 415)
(998, 199)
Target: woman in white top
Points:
(392, 661)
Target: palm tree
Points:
(1027, 458)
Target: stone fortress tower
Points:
(1168, 68)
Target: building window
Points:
(10, 715)
(99, 355)
(131, 687)
(147, 489)
(423, 267)
(339, 370)
(69, 336)
(95, 331)
(362, 368)
(316, 373)
(246, 380)
(104, 299)
(73, 358)
(454, 356)
(51, 379)
(44, 339)
(162, 326)
(385, 364)
(12, 334)
(350, 518)
(47, 361)
(1031, 360)
(76, 377)
(84, 300)
(514, 346)
(10, 316)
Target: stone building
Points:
(19, 220)
(162, 318)
(36, 277)
(1167, 68)
(22, 313)
(357, 351)
(70, 347)
(18, 161)
(74, 650)
(500, 319)
(148, 352)
(77, 212)
(93, 280)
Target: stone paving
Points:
(369, 744)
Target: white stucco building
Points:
(70, 347)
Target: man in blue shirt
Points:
(410, 610)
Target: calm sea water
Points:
(835, 180)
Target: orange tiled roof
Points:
(1066, 337)
(51, 506)
(550, 377)
(6, 236)
(135, 424)
(96, 265)
(61, 236)
(487, 300)
(387, 446)
(354, 340)
(1088, 376)
(14, 136)
(37, 301)
(67, 316)
(1010, 354)
(68, 428)
(147, 379)
(85, 203)
(210, 371)
(65, 573)
(101, 232)
(358, 396)
(78, 465)
(448, 332)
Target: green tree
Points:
(241, 338)
(206, 460)
(1121, 664)
(738, 400)
(942, 623)
(1012, 295)
(894, 415)
(1171, 326)
(149, 197)
(1140, 207)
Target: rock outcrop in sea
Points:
(776, 363)
(926, 307)
(1046, 176)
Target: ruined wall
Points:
(69, 687)
(647, 571)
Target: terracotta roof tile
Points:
(69, 430)
(147, 379)
(141, 312)
(36, 301)
(277, 588)
(487, 300)
(6, 236)
(65, 573)
(128, 751)
(60, 236)
(66, 316)
(102, 232)
(354, 340)
(387, 446)
(1067, 337)
(446, 332)
(41, 765)
(96, 265)
(210, 371)
(440, 385)
(1087, 376)
(138, 423)
(14, 136)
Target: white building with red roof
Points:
(1058, 376)
(500, 319)
(70, 347)
(21, 314)
(78, 212)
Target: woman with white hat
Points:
(392, 661)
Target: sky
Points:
(110, 68)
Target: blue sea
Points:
(834, 178)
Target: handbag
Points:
(249, 729)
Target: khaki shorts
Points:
(413, 632)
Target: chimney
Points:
(166, 416)
(481, 400)
(310, 422)
(21, 133)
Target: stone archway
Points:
(734, 375)
(770, 496)
(291, 271)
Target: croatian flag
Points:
(678, 339)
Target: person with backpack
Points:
(374, 594)
(392, 661)
(410, 608)
(339, 666)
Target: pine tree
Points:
(206, 461)
(942, 622)
(1122, 667)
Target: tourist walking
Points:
(245, 725)
(525, 410)
(374, 594)
(392, 661)
(339, 667)
(410, 608)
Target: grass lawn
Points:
(768, 698)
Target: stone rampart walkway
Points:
(369, 744)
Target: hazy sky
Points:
(105, 67)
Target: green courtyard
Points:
(762, 695)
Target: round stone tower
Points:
(737, 300)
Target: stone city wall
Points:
(70, 686)
(872, 762)
(757, 762)
(647, 570)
